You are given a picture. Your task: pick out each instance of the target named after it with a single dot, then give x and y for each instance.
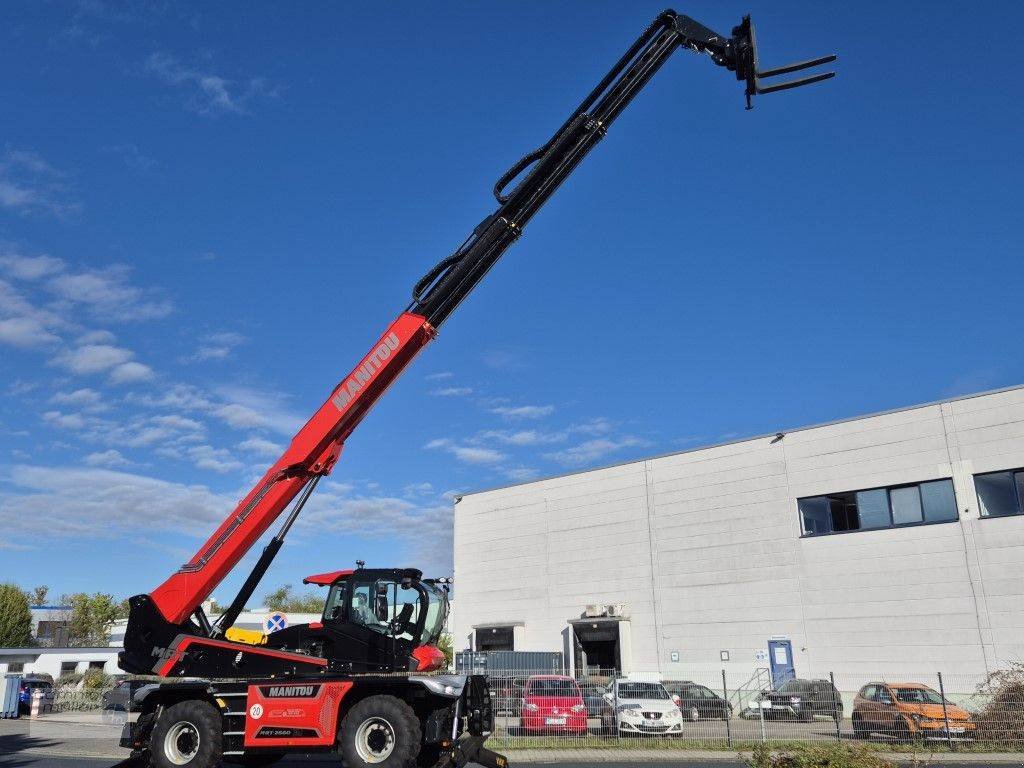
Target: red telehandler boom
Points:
(331, 685)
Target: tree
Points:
(15, 618)
(91, 618)
(446, 645)
(37, 595)
(282, 599)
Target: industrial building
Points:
(884, 545)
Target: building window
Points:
(931, 502)
(68, 667)
(15, 666)
(97, 665)
(1000, 493)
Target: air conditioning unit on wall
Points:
(618, 611)
(595, 611)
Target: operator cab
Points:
(374, 619)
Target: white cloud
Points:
(209, 94)
(30, 185)
(441, 376)
(247, 408)
(26, 333)
(127, 373)
(96, 337)
(426, 527)
(217, 346)
(92, 358)
(418, 489)
(469, 454)
(82, 398)
(260, 447)
(111, 458)
(217, 459)
(503, 360)
(239, 416)
(90, 503)
(525, 437)
(65, 420)
(30, 267)
(524, 411)
(475, 455)
(452, 392)
(178, 423)
(108, 294)
(521, 474)
(592, 450)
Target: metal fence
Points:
(708, 709)
(719, 710)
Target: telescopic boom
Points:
(315, 449)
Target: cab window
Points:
(334, 608)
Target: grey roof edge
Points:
(739, 440)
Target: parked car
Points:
(642, 708)
(507, 694)
(593, 698)
(908, 710)
(30, 683)
(119, 698)
(805, 700)
(698, 702)
(553, 704)
(756, 707)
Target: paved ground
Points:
(83, 742)
(40, 761)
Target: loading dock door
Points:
(494, 639)
(780, 659)
(596, 646)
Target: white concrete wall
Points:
(705, 548)
(50, 659)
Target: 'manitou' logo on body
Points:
(364, 374)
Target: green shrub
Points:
(816, 756)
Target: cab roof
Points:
(326, 579)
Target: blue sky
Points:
(208, 213)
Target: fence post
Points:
(615, 704)
(728, 711)
(945, 713)
(760, 711)
(836, 707)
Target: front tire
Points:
(187, 734)
(381, 731)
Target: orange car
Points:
(907, 710)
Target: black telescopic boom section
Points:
(444, 287)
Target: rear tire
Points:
(187, 734)
(382, 731)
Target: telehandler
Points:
(365, 681)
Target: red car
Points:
(553, 704)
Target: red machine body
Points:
(302, 714)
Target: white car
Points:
(639, 707)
